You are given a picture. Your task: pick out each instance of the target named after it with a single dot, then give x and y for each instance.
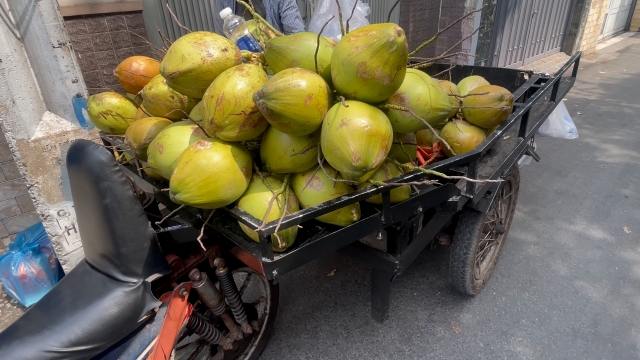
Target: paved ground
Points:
(568, 283)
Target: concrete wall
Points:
(39, 76)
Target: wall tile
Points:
(96, 24)
(116, 22)
(82, 43)
(11, 188)
(120, 39)
(102, 43)
(9, 208)
(25, 203)
(107, 60)
(134, 20)
(10, 170)
(138, 37)
(18, 223)
(5, 153)
(76, 26)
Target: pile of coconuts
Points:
(306, 121)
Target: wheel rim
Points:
(494, 232)
(255, 292)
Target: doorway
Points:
(615, 20)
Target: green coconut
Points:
(196, 59)
(135, 98)
(168, 145)
(370, 62)
(422, 94)
(452, 91)
(142, 113)
(282, 153)
(426, 137)
(313, 187)
(210, 174)
(159, 100)
(255, 201)
(386, 172)
(111, 112)
(150, 172)
(294, 101)
(461, 136)
(298, 51)
(404, 148)
(197, 113)
(471, 82)
(140, 134)
(487, 106)
(356, 138)
(229, 111)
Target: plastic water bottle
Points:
(235, 29)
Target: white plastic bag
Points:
(526, 159)
(559, 124)
(325, 9)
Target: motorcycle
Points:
(142, 291)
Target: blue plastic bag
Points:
(30, 269)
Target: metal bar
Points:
(380, 293)
(523, 124)
(369, 255)
(429, 232)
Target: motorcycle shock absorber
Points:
(230, 292)
(208, 332)
(213, 299)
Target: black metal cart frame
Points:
(390, 237)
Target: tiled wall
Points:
(593, 26)
(16, 208)
(635, 20)
(102, 41)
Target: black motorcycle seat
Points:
(79, 318)
(106, 295)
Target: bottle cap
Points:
(225, 13)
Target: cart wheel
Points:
(479, 238)
(260, 298)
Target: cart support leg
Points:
(380, 293)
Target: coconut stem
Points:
(404, 152)
(284, 213)
(320, 163)
(342, 100)
(260, 18)
(202, 230)
(275, 196)
(170, 214)
(439, 174)
(402, 108)
(445, 71)
(153, 47)
(165, 40)
(315, 57)
(175, 18)
(340, 17)
(435, 37)
(264, 181)
(353, 10)
(431, 61)
(391, 11)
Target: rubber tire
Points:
(466, 241)
(274, 290)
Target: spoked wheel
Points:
(479, 238)
(260, 298)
